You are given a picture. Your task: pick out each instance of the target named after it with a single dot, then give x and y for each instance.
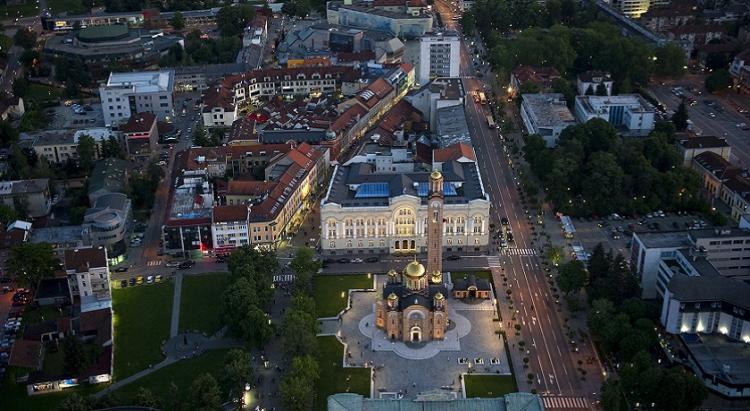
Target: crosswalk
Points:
(565, 402)
(519, 251)
(493, 261)
(154, 263)
(284, 278)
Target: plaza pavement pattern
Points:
(403, 370)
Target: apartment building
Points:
(60, 146)
(33, 194)
(439, 55)
(141, 134)
(126, 94)
(88, 277)
(692, 146)
(229, 227)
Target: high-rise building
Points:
(439, 55)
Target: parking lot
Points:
(66, 117)
(616, 234)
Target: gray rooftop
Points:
(451, 126)
(663, 239)
(708, 285)
(549, 109)
(464, 177)
(58, 235)
(714, 351)
(718, 233)
(436, 402)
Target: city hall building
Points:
(378, 205)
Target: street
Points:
(552, 359)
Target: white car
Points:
(357, 260)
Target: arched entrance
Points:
(415, 334)
(472, 292)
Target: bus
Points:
(490, 121)
(482, 98)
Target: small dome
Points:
(392, 297)
(439, 296)
(392, 273)
(414, 269)
(437, 276)
(435, 175)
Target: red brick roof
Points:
(348, 117)
(139, 123)
(198, 157)
(539, 75)
(80, 259)
(374, 92)
(26, 354)
(252, 150)
(228, 213)
(99, 321)
(453, 152)
(365, 55)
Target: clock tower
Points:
(435, 200)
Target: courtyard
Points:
(425, 367)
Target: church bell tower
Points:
(435, 202)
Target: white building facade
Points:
(631, 114)
(88, 274)
(125, 94)
(370, 211)
(439, 56)
(547, 115)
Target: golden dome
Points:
(435, 175)
(439, 296)
(437, 276)
(392, 273)
(392, 296)
(414, 269)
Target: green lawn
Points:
(34, 315)
(328, 292)
(489, 385)
(199, 306)
(141, 319)
(41, 93)
(456, 275)
(330, 356)
(182, 373)
(23, 10)
(5, 42)
(71, 6)
(53, 363)
(14, 397)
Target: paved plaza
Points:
(472, 345)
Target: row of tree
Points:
(298, 332)
(570, 38)
(593, 171)
(248, 297)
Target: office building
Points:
(439, 56)
(229, 227)
(546, 115)
(630, 114)
(108, 223)
(404, 20)
(632, 8)
(727, 249)
(126, 94)
(370, 209)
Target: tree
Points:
(86, 152)
(20, 87)
(612, 396)
(601, 90)
(572, 276)
(32, 262)
(680, 117)
(8, 133)
(173, 400)
(74, 355)
(28, 58)
(297, 389)
(178, 21)
(145, 398)
(25, 38)
(589, 90)
(670, 60)
(200, 136)
(237, 370)
(529, 87)
(298, 333)
(7, 214)
(717, 81)
(554, 254)
(204, 393)
(232, 20)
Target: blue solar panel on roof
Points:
(372, 190)
(448, 189)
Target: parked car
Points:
(372, 259)
(504, 221)
(358, 260)
(123, 283)
(150, 279)
(185, 265)
(132, 281)
(453, 257)
(173, 264)
(343, 260)
(121, 269)
(139, 280)
(157, 278)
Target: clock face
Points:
(436, 204)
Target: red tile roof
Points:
(139, 123)
(254, 150)
(249, 187)
(80, 259)
(198, 157)
(26, 354)
(228, 213)
(453, 152)
(366, 55)
(98, 321)
(539, 75)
